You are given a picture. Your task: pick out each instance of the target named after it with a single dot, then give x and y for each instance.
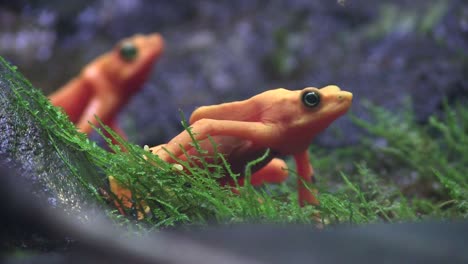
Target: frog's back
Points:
(250, 110)
(236, 111)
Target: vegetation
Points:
(401, 171)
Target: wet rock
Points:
(60, 176)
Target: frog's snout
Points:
(336, 94)
(331, 89)
(345, 96)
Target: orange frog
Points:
(281, 120)
(105, 85)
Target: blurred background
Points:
(384, 52)
(388, 53)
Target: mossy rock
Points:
(33, 141)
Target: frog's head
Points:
(132, 59)
(320, 107)
(302, 114)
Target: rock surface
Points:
(60, 176)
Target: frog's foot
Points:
(124, 199)
(307, 195)
(153, 150)
(161, 152)
(123, 195)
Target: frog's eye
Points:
(128, 51)
(311, 99)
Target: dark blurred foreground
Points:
(32, 233)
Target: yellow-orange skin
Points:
(105, 85)
(277, 120)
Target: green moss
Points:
(419, 171)
(405, 170)
(36, 140)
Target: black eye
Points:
(128, 51)
(311, 99)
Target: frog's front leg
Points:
(104, 103)
(256, 132)
(116, 128)
(306, 176)
(104, 107)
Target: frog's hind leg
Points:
(276, 171)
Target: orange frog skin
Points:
(281, 120)
(105, 85)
